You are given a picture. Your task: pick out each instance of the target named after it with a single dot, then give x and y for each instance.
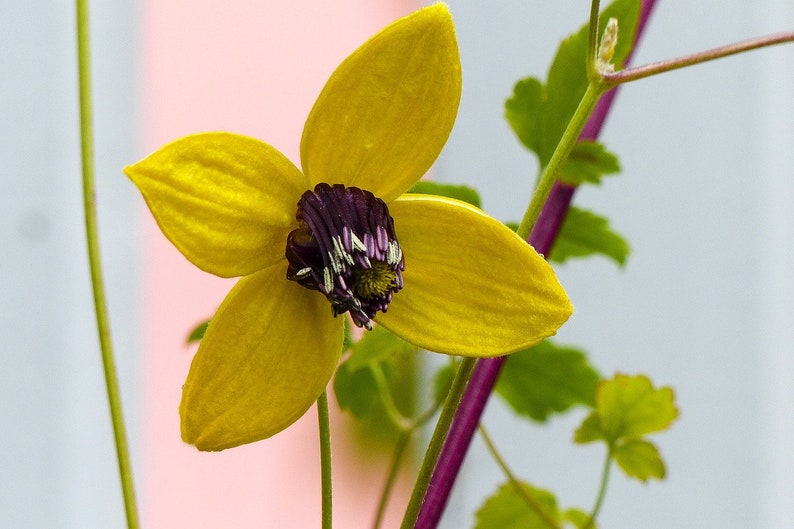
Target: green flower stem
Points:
(640, 72)
(406, 426)
(592, 40)
(547, 178)
(602, 491)
(399, 450)
(437, 441)
(528, 499)
(326, 480)
(92, 239)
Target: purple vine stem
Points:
(486, 372)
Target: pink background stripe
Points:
(252, 67)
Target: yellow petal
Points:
(472, 286)
(386, 112)
(227, 202)
(268, 353)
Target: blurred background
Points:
(704, 303)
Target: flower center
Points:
(346, 248)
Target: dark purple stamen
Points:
(346, 248)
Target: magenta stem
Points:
(487, 370)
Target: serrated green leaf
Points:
(375, 346)
(588, 162)
(198, 332)
(507, 509)
(578, 518)
(629, 406)
(460, 192)
(546, 379)
(589, 430)
(539, 113)
(584, 233)
(355, 390)
(639, 459)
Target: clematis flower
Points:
(341, 237)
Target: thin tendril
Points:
(92, 240)
(641, 72)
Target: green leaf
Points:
(507, 509)
(377, 345)
(524, 110)
(584, 233)
(589, 430)
(358, 390)
(639, 459)
(460, 192)
(578, 518)
(588, 162)
(198, 332)
(355, 390)
(629, 406)
(546, 379)
(539, 113)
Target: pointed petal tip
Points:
(226, 201)
(386, 112)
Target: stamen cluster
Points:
(346, 247)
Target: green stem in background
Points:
(92, 239)
(594, 90)
(399, 450)
(437, 441)
(326, 479)
(602, 491)
(406, 427)
(531, 502)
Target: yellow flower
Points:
(456, 281)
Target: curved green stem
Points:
(394, 467)
(400, 421)
(324, 421)
(407, 428)
(602, 491)
(95, 264)
(594, 90)
(437, 441)
(531, 502)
